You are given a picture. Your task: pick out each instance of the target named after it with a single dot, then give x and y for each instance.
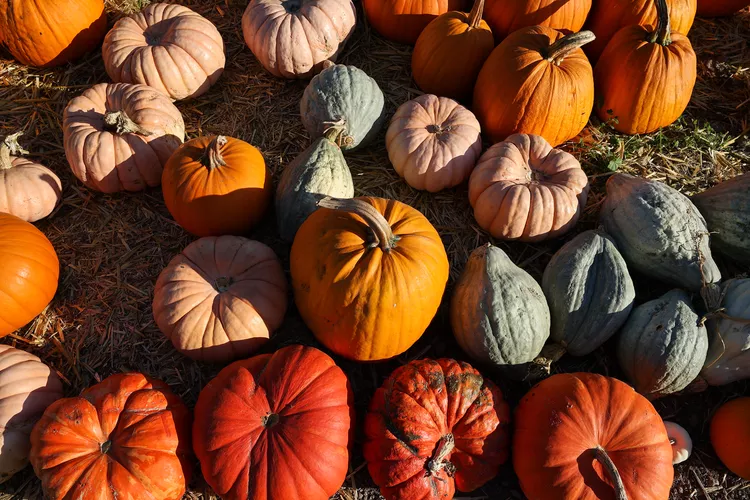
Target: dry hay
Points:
(112, 248)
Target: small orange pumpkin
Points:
(507, 16)
(403, 20)
(730, 435)
(216, 185)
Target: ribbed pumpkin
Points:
(498, 311)
(726, 208)
(276, 426)
(638, 65)
(682, 444)
(125, 437)
(434, 427)
(28, 274)
(730, 435)
(609, 16)
(450, 52)
(663, 346)
(318, 171)
(346, 99)
(584, 436)
(659, 231)
(507, 16)
(28, 190)
(368, 276)
(716, 8)
(27, 388)
(49, 33)
(537, 81)
(403, 20)
(217, 185)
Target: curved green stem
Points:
(557, 52)
(663, 33)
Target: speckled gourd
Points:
(662, 346)
(726, 208)
(589, 292)
(344, 97)
(659, 231)
(498, 311)
(317, 172)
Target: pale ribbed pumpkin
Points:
(507, 16)
(682, 444)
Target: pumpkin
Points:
(118, 137)
(498, 311)
(659, 62)
(537, 81)
(345, 99)
(49, 33)
(717, 8)
(663, 346)
(317, 172)
(28, 190)
(368, 276)
(403, 20)
(682, 445)
(28, 274)
(216, 185)
(450, 53)
(433, 427)
(522, 189)
(167, 47)
(726, 208)
(276, 426)
(730, 435)
(295, 38)
(433, 142)
(221, 298)
(587, 436)
(609, 16)
(589, 291)
(27, 388)
(659, 231)
(507, 16)
(125, 437)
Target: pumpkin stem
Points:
(269, 420)
(105, 446)
(663, 33)
(212, 158)
(381, 230)
(475, 16)
(336, 132)
(557, 52)
(551, 353)
(601, 455)
(438, 461)
(10, 147)
(120, 123)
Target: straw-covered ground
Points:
(112, 248)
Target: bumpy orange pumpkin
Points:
(51, 32)
(730, 435)
(216, 185)
(645, 77)
(537, 81)
(403, 20)
(717, 8)
(507, 16)
(368, 276)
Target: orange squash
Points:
(645, 77)
(368, 276)
(216, 185)
(507, 16)
(719, 8)
(537, 81)
(403, 20)
(730, 435)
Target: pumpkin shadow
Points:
(47, 179)
(86, 41)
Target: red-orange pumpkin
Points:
(403, 20)
(730, 435)
(716, 8)
(507, 16)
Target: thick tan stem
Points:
(438, 461)
(551, 353)
(212, 157)
(475, 16)
(557, 52)
(381, 230)
(120, 123)
(601, 455)
(663, 33)
(10, 147)
(336, 132)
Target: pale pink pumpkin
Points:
(433, 142)
(119, 136)
(168, 47)
(295, 38)
(523, 189)
(221, 298)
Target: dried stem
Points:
(438, 461)
(663, 33)
(212, 157)
(381, 230)
(10, 147)
(475, 16)
(557, 52)
(601, 455)
(118, 122)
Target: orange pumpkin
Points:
(368, 276)
(29, 271)
(216, 185)
(718, 8)
(47, 33)
(730, 435)
(507, 16)
(645, 77)
(450, 53)
(403, 20)
(537, 81)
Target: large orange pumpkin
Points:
(586, 436)
(730, 435)
(403, 20)
(29, 271)
(507, 16)
(717, 8)
(127, 437)
(368, 276)
(216, 185)
(645, 77)
(48, 33)
(537, 81)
